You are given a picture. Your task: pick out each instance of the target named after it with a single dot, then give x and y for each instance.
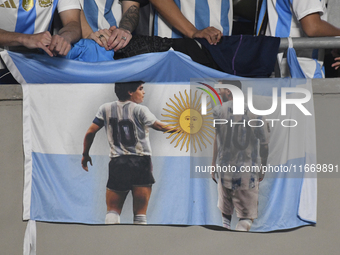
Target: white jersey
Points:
(238, 145)
(31, 17)
(283, 21)
(284, 16)
(102, 14)
(126, 125)
(202, 14)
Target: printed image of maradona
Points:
(236, 146)
(126, 123)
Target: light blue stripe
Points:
(63, 192)
(261, 16)
(225, 9)
(25, 20)
(175, 32)
(91, 13)
(155, 23)
(284, 18)
(318, 70)
(202, 14)
(170, 66)
(108, 13)
(279, 200)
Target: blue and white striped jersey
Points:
(238, 145)
(283, 21)
(284, 16)
(201, 13)
(29, 16)
(126, 125)
(102, 14)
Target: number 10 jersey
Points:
(126, 125)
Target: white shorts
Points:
(244, 201)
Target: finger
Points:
(219, 36)
(60, 45)
(65, 49)
(127, 41)
(104, 41)
(215, 35)
(107, 33)
(97, 40)
(84, 165)
(112, 28)
(114, 44)
(45, 48)
(112, 41)
(208, 38)
(120, 44)
(54, 46)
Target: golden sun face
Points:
(190, 121)
(190, 127)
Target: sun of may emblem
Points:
(184, 114)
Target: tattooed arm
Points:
(121, 36)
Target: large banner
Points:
(170, 66)
(57, 188)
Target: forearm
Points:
(314, 26)
(324, 29)
(130, 19)
(264, 150)
(86, 30)
(160, 126)
(88, 140)
(214, 152)
(12, 38)
(71, 32)
(169, 10)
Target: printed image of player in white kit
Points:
(126, 123)
(236, 147)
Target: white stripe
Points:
(43, 16)
(27, 143)
(164, 29)
(188, 9)
(9, 17)
(49, 114)
(215, 14)
(102, 23)
(117, 11)
(308, 201)
(12, 67)
(272, 17)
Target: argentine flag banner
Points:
(254, 137)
